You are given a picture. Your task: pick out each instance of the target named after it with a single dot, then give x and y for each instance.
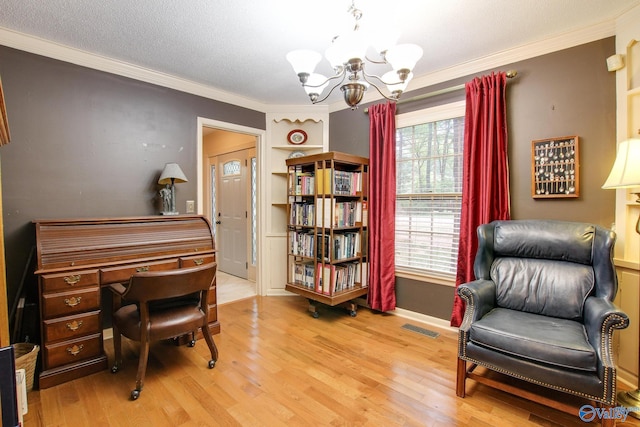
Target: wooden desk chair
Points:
(165, 304)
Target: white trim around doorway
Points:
(260, 135)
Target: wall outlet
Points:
(191, 206)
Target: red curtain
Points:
(382, 206)
(485, 175)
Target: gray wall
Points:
(90, 144)
(569, 92)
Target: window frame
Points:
(431, 114)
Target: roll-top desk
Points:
(76, 257)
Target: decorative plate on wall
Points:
(297, 137)
(296, 154)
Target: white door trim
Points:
(260, 135)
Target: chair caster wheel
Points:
(135, 394)
(315, 314)
(212, 363)
(115, 369)
(192, 343)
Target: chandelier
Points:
(347, 55)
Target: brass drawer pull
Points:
(75, 350)
(198, 261)
(73, 301)
(72, 280)
(74, 326)
(142, 269)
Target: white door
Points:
(232, 215)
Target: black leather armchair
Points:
(541, 309)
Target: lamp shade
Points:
(404, 56)
(316, 83)
(393, 82)
(350, 45)
(172, 173)
(303, 60)
(626, 169)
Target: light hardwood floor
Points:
(278, 366)
(231, 288)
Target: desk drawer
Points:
(67, 303)
(73, 351)
(192, 261)
(65, 328)
(69, 280)
(123, 273)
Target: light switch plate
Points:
(191, 206)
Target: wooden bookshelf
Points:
(327, 238)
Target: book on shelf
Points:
(341, 246)
(302, 243)
(333, 278)
(338, 182)
(327, 272)
(362, 273)
(303, 274)
(365, 213)
(364, 244)
(323, 181)
(347, 183)
(346, 245)
(301, 182)
(302, 213)
(333, 213)
(324, 248)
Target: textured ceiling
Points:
(239, 46)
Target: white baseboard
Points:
(279, 293)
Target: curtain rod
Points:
(510, 74)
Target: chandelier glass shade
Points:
(347, 57)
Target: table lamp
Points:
(626, 174)
(169, 176)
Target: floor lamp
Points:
(626, 174)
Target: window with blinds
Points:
(429, 191)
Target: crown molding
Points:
(60, 52)
(498, 59)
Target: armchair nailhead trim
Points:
(612, 322)
(602, 399)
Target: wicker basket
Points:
(26, 355)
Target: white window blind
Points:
(429, 190)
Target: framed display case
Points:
(555, 168)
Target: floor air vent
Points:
(423, 331)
